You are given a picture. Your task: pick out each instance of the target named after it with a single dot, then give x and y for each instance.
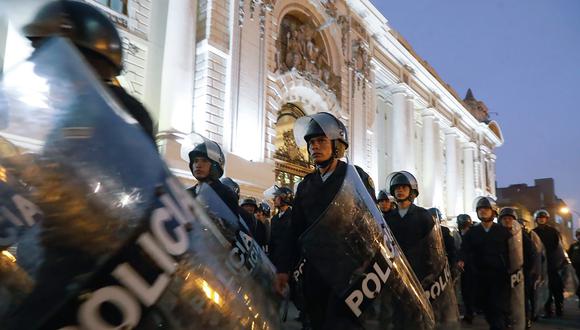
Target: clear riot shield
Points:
(245, 258)
(119, 244)
(437, 281)
(539, 275)
(353, 249)
(516, 271)
(568, 274)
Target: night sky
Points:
(522, 58)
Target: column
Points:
(468, 176)
(410, 135)
(176, 47)
(451, 172)
(492, 158)
(399, 132)
(438, 193)
(429, 160)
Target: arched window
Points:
(292, 162)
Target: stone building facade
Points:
(241, 72)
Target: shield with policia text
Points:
(119, 243)
(539, 275)
(435, 276)
(516, 279)
(355, 252)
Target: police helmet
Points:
(541, 212)
(435, 213)
(285, 193)
(195, 145)
(84, 25)
(384, 195)
(507, 211)
(463, 219)
(249, 201)
(322, 123)
(264, 208)
(485, 201)
(402, 178)
(233, 185)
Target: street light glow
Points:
(564, 210)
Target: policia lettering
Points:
(243, 257)
(165, 240)
(363, 292)
(517, 278)
(24, 213)
(436, 288)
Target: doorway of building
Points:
(292, 161)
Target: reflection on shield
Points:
(120, 244)
(355, 252)
(516, 279)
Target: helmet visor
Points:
(401, 177)
(325, 120)
(193, 140)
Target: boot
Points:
(559, 311)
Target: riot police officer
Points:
(281, 222)
(97, 39)
(249, 205)
(447, 237)
(550, 237)
(206, 162)
(522, 254)
(485, 247)
(574, 255)
(233, 185)
(467, 283)
(409, 223)
(386, 202)
(263, 213)
(327, 142)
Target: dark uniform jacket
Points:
(487, 251)
(224, 192)
(449, 245)
(410, 232)
(574, 254)
(280, 229)
(551, 239)
(134, 108)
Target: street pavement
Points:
(570, 320)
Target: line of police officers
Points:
(491, 269)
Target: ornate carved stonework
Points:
(300, 47)
(290, 152)
(330, 7)
(344, 24)
(241, 13)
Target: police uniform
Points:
(409, 231)
(134, 108)
(551, 239)
(325, 309)
(574, 255)
(487, 252)
(223, 191)
(529, 257)
(280, 228)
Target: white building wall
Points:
(211, 66)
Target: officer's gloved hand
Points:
(281, 283)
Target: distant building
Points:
(542, 195)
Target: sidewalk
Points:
(570, 320)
